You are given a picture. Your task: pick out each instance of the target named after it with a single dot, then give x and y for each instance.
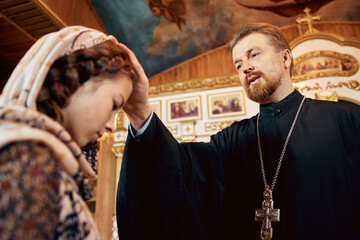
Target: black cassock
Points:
(211, 190)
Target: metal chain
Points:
(283, 150)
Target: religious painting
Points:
(156, 107)
(184, 109)
(226, 104)
(323, 64)
(169, 32)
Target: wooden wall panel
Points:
(216, 62)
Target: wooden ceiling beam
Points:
(22, 22)
(34, 20)
(10, 3)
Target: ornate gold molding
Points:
(173, 129)
(351, 84)
(326, 36)
(349, 100)
(308, 88)
(216, 126)
(118, 149)
(327, 96)
(341, 65)
(119, 135)
(120, 121)
(194, 85)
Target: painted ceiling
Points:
(163, 33)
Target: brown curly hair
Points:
(68, 72)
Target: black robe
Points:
(211, 190)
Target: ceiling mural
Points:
(163, 33)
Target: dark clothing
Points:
(211, 190)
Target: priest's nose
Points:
(247, 67)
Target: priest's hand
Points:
(137, 107)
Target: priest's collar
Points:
(291, 101)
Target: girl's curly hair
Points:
(68, 72)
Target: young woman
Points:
(63, 94)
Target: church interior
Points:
(182, 45)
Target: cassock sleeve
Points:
(170, 190)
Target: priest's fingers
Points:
(137, 107)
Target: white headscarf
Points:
(19, 119)
(25, 82)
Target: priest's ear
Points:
(287, 58)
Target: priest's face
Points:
(260, 67)
(92, 108)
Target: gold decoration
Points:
(107, 138)
(308, 20)
(119, 135)
(216, 126)
(188, 139)
(194, 85)
(351, 84)
(118, 150)
(188, 128)
(327, 96)
(307, 88)
(348, 99)
(173, 129)
(196, 139)
(326, 36)
(120, 121)
(323, 64)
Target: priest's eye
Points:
(238, 66)
(254, 55)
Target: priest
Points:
(292, 171)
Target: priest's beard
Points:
(262, 91)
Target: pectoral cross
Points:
(267, 215)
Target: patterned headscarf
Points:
(19, 119)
